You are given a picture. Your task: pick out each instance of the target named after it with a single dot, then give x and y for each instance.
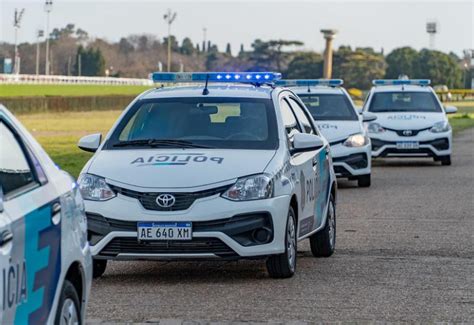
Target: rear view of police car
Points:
(45, 260)
(341, 124)
(411, 121)
(235, 169)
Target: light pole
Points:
(38, 38)
(169, 18)
(17, 24)
(48, 7)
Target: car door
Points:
(315, 177)
(31, 275)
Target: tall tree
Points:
(402, 61)
(271, 55)
(440, 67)
(187, 47)
(228, 49)
(305, 65)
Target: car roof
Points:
(317, 90)
(224, 90)
(394, 88)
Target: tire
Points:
(69, 308)
(363, 180)
(284, 265)
(98, 268)
(445, 160)
(323, 242)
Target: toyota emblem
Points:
(165, 200)
(407, 133)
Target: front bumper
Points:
(351, 162)
(221, 229)
(430, 145)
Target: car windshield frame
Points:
(436, 106)
(350, 108)
(271, 143)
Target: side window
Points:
(289, 120)
(15, 171)
(302, 117)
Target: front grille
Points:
(183, 199)
(407, 132)
(194, 246)
(356, 161)
(439, 144)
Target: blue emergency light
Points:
(309, 82)
(398, 82)
(239, 77)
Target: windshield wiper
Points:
(164, 143)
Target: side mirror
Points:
(303, 142)
(90, 143)
(1, 198)
(450, 109)
(368, 117)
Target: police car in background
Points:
(340, 122)
(411, 121)
(45, 260)
(232, 170)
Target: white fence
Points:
(68, 80)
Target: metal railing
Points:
(70, 80)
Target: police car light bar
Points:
(240, 77)
(309, 82)
(397, 82)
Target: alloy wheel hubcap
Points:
(69, 314)
(332, 226)
(291, 243)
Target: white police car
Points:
(340, 122)
(411, 121)
(225, 171)
(45, 260)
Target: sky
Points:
(379, 24)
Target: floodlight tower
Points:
(169, 18)
(48, 7)
(39, 35)
(329, 35)
(432, 30)
(17, 24)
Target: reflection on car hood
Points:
(175, 168)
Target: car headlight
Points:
(356, 140)
(94, 188)
(439, 127)
(255, 187)
(375, 128)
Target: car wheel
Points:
(284, 265)
(323, 242)
(98, 268)
(68, 311)
(445, 160)
(363, 180)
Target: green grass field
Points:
(58, 133)
(68, 90)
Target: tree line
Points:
(74, 52)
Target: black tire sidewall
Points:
(68, 291)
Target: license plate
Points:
(165, 231)
(408, 145)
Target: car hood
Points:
(410, 121)
(338, 130)
(160, 168)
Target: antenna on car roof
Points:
(205, 91)
(309, 88)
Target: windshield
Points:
(226, 123)
(404, 102)
(329, 107)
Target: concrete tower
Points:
(329, 35)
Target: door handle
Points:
(5, 237)
(55, 213)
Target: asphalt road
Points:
(405, 252)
